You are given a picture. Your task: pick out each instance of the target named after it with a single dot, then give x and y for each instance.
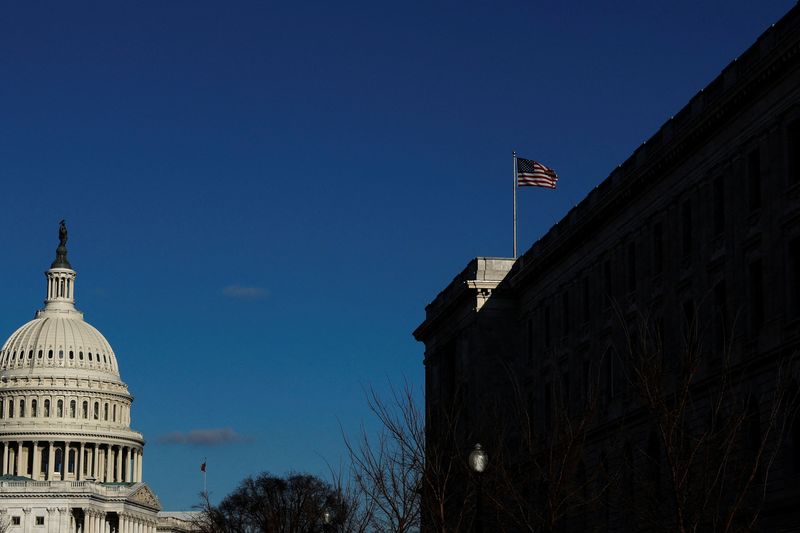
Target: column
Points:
(123, 524)
(107, 457)
(140, 456)
(64, 459)
(37, 461)
(136, 465)
(5, 458)
(79, 464)
(118, 474)
(18, 459)
(94, 472)
(50, 460)
(128, 464)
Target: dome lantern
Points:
(60, 278)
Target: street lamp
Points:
(327, 520)
(478, 461)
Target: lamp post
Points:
(478, 460)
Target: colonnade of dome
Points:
(79, 460)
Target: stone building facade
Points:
(700, 225)
(69, 460)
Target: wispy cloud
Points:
(242, 292)
(204, 437)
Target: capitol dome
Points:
(64, 410)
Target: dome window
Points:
(85, 410)
(30, 354)
(71, 354)
(49, 354)
(105, 412)
(2, 409)
(14, 355)
(114, 413)
(72, 406)
(40, 354)
(34, 408)
(96, 410)
(80, 356)
(60, 409)
(90, 356)
(22, 408)
(47, 408)
(61, 354)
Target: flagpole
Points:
(514, 154)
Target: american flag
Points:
(533, 174)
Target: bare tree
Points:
(388, 467)
(540, 478)
(713, 437)
(412, 475)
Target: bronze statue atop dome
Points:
(61, 252)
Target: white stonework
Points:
(69, 461)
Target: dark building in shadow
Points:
(678, 276)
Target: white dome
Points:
(55, 342)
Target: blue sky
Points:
(262, 197)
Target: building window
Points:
(720, 318)
(47, 408)
(610, 371)
(794, 277)
(719, 205)
(34, 408)
(15, 520)
(49, 354)
(10, 408)
(546, 326)
(793, 151)
(756, 279)
(71, 462)
(105, 412)
(71, 354)
(22, 408)
(114, 413)
(39, 520)
(548, 406)
(686, 227)
(60, 409)
(587, 305)
(96, 410)
(80, 356)
(2, 409)
(72, 406)
(529, 328)
(85, 410)
(754, 180)
(631, 266)
(688, 315)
